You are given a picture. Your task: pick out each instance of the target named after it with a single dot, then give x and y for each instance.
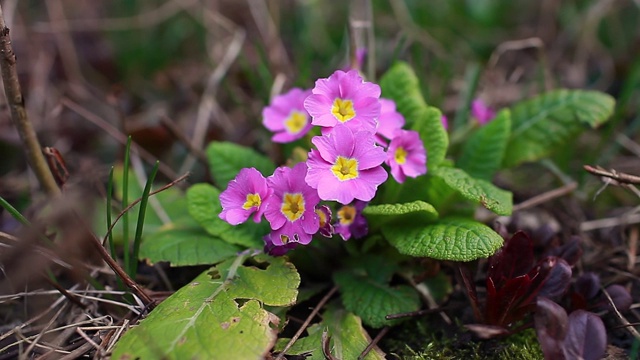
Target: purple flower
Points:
(287, 117)
(347, 165)
(406, 155)
(291, 208)
(445, 122)
(245, 195)
(351, 222)
(344, 98)
(276, 250)
(482, 112)
(389, 121)
(324, 215)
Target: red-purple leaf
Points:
(620, 297)
(586, 338)
(551, 324)
(558, 280)
(587, 285)
(571, 251)
(513, 260)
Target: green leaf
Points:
(435, 139)
(184, 245)
(203, 202)
(366, 292)
(203, 320)
(227, 159)
(484, 151)
(456, 239)
(347, 338)
(544, 123)
(488, 195)
(401, 85)
(412, 212)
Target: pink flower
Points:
(287, 117)
(245, 195)
(276, 250)
(445, 122)
(406, 155)
(351, 222)
(346, 165)
(344, 98)
(389, 121)
(291, 208)
(482, 112)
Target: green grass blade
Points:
(14, 212)
(125, 202)
(471, 77)
(112, 246)
(141, 214)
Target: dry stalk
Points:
(19, 114)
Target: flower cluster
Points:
(359, 133)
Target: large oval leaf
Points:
(182, 245)
(203, 320)
(226, 159)
(203, 202)
(413, 212)
(547, 121)
(457, 239)
(488, 195)
(401, 85)
(484, 151)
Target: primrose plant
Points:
(357, 170)
(345, 166)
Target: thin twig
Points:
(622, 319)
(373, 342)
(19, 114)
(613, 174)
(306, 323)
(116, 134)
(175, 131)
(547, 196)
(610, 222)
(137, 290)
(135, 202)
(139, 21)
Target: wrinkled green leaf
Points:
(347, 338)
(542, 124)
(488, 195)
(366, 292)
(401, 85)
(457, 239)
(484, 151)
(413, 212)
(203, 320)
(226, 159)
(204, 206)
(186, 245)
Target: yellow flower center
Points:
(400, 155)
(347, 214)
(343, 110)
(322, 217)
(293, 206)
(295, 122)
(253, 200)
(284, 239)
(345, 168)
